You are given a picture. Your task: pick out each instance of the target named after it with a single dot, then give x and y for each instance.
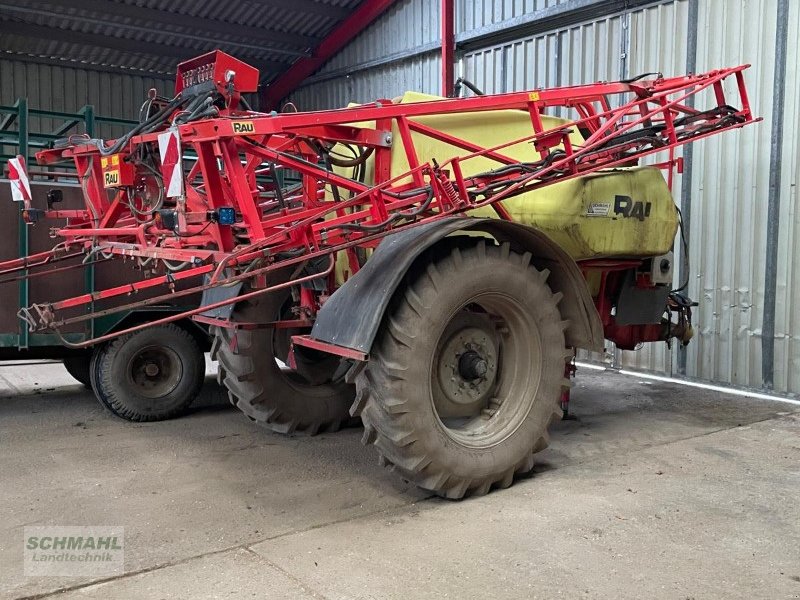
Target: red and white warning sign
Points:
(20, 186)
(169, 147)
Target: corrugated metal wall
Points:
(50, 87)
(386, 81)
(409, 24)
(581, 54)
(729, 204)
(471, 15)
(412, 24)
(730, 174)
(787, 355)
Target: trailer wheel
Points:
(284, 400)
(149, 375)
(78, 367)
(466, 374)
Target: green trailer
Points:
(149, 375)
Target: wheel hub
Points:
(155, 371)
(472, 366)
(151, 370)
(466, 366)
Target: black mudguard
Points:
(352, 315)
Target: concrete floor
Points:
(656, 491)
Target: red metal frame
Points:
(342, 34)
(309, 342)
(278, 229)
(448, 46)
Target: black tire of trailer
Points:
(449, 432)
(149, 375)
(79, 367)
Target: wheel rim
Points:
(486, 370)
(155, 371)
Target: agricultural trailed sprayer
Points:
(429, 265)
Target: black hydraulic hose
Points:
(685, 253)
(372, 228)
(410, 214)
(642, 76)
(195, 110)
(278, 192)
(157, 118)
(210, 112)
(325, 151)
(406, 194)
(143, 112)
(354, 162)
(467, 84)
(523, 167)
(326, 158)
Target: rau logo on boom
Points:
(243, 127)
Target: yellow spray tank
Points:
(615, 213)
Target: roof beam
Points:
(307, 7)
(342, 34)
(115, 10)
(120, 44)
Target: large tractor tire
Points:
(466, 374)
(149, 375)
(282, 399)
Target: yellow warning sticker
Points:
(115, 159)
(533, 96)
(243, 127)
(104, 162)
